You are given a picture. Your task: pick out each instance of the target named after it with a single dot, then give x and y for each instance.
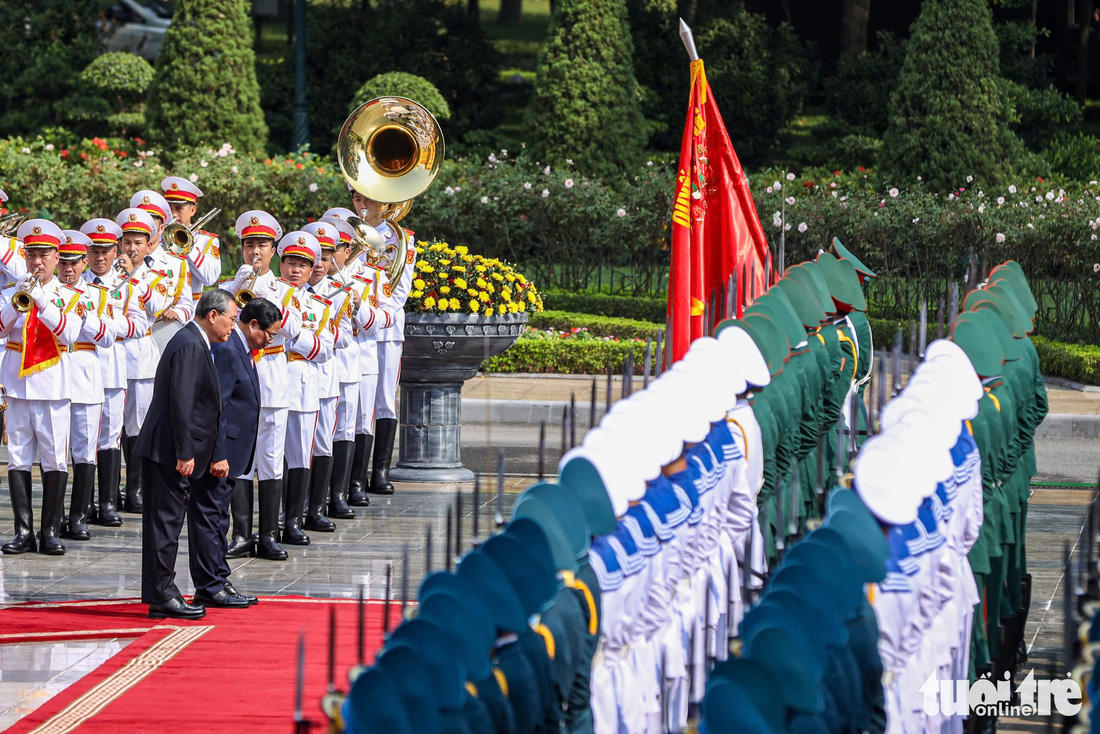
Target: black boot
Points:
(83, 483)
(133, 477)
(110, 472)
(360, 465)
(53, 507)
(318, 491)
(385, 431)
(240, 509)
(19, 486)
(297, 489)
(268, 545)
(341, 477)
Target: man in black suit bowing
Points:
(208, 510)
(176, 446)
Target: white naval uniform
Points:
(391, 339)
(340, 326)
(130, 323)
(151, 296)
(38, 403)
(204, 262)
(273, 374)
(85, 371)
(305, 356)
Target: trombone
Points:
(180, 238)
(246, 294)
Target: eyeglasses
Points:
(271, 334)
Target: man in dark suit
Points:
(208, 509)
(176, 446)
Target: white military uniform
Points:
(204, 260)
(372, 285)
(391, 339)
(306, 356)
(339, 324)
(347, 358)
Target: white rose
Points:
(545, 193)
(802, 226)
(621, 212)
(894, 193)
(1000, 237)
(313, 188)
(568, 183)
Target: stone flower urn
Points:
(441, 352)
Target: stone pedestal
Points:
(441, 352)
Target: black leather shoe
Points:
(232, 590)
(239, 548)
(176, 608)
(222, 598)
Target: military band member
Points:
(173, 269)
(258, 232)
(390, 343)
(85, 376)
(204, 261)
(135, 247)
(12, 265)
(35, 375)
(298, 251)
(131, 323)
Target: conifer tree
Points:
(586, 104)
(205, 88)
(949, 115)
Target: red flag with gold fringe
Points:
(40, 347)
(716, 231)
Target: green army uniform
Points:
(863, 336)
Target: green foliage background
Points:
(403, 84)
(110, 97)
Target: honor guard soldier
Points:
(204, 261)
(12, 265)
(39, 323)
(258, 232)
(136, 244)
(124, 307)
(172, 268)
(342, 307)
(85, 376)
(390, 343)
(298, 251)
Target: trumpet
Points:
(180, 238)
(245, 294)
(9, 222)
(22, 300)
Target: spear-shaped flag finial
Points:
(689, 40)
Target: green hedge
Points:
(1077, 362)
(626, 307)
(596, 325)
(567, 356)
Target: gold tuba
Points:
(391, 150)
(180, 238)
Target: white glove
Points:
(41, 298)
(243, 273)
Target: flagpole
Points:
(689, 40)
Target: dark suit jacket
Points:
(185, 411)
(240, 405)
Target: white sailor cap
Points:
(750, 361)
(40, 234)
(684, 415)
(179, 190)
(623, 450)
(717, 363)
(876, 472)
(647, 409)
(300, 244)
(152, 202)
(328, 236)
(608, 468)
(136, 220)
(257, 223)
(102, 231)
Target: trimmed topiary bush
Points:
(586, 106)
(949, 116)
(205, 89)
(403, 84)
(110, 99)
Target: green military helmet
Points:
(539, 512)
(433, 646)
(788, 656)
(1005, 280)
(998, 298)
(796, 579)
(562, 508)
(843, 282)
(971, 334)
(581, 481)
(844, 253)
(535, 586)
(989, 309)
(534, 540)
(1021, 318)
(729, 709)
(374, 705)
(805, 304)
(860, 529)
(759, 682)
(472, 637)
(446, 581)
(414, 686)
(1027, 296)
(821, 284)
(766, 337)
(828, 556)
(816, 293)
(490, 583)
(797, 619)
(776, 306)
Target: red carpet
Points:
(234, 670)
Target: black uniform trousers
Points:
(207, 531)
(166, 499)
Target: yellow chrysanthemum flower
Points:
(417, 294)
(474, 305)
(442, 304)
(522, 306)
(480, 268)
(503, 309)
(531, 297)
(458, 268)
(455, 304)
(521, 279)
(481, 282)
(418, 283)
(445, 289)
(510, 278)
(429, 302)
(497, 276)
(462, 249)
(483, 296)
(491, 288)
(444, 262)
(460, 282)
(467, 258)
